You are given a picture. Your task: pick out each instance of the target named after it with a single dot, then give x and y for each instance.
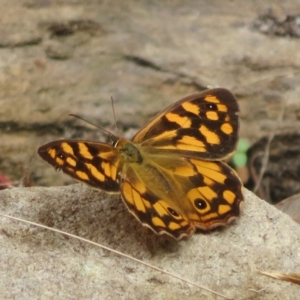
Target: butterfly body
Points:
(170, 175)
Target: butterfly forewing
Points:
(96, 164)
(203, 125)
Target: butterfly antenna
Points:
(113, 137)
(114, 112)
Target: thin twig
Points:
(266, 156)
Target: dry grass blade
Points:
(290, 277)
(118, 253)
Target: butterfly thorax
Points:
(128, 152)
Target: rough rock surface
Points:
(39, 264)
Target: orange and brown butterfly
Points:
(170, 175)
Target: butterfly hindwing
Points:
(185, 194)
(94, 163)
(203, 125)
(152, 210)
(216, 194)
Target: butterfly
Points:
(171, 175)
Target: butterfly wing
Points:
(203, 125)
(96, 164)
(176, 195)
